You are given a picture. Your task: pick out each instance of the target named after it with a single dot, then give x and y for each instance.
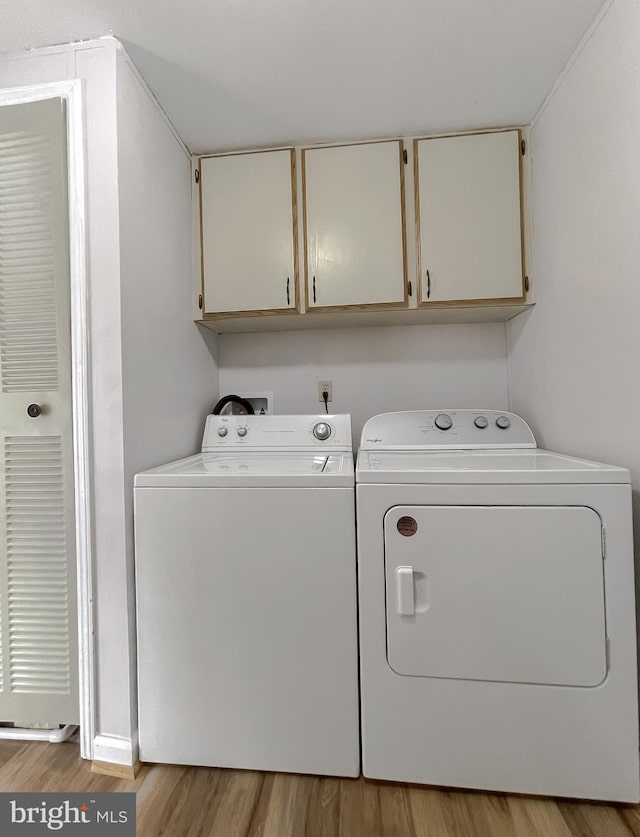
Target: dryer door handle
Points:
(405, 599)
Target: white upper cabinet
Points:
(249, 233)
(468, 217)
(354, 225)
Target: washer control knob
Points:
(481, 422)
(503, 422)
(222, 431)
(322, 430)
(242, 431)
(444, 422)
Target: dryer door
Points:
(503, 593)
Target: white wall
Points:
(139, 272)
(374, 370)
(94, 63)
(169, 377)
(574, 359)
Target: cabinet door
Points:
(354, 225)
(468, 217)
(249, 238)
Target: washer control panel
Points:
(446, 430)
(273, 432)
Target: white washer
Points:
(497, 610)
(246, 599)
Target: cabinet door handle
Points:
(428, 284)
(314, 288)
(288, 300)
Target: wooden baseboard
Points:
(120, 771)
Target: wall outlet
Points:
(324, 386)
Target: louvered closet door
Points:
(38, 623)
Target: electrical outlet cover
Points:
(324, 386)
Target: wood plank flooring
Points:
(206, 802)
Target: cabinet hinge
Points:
(197, 175)
(405, 156)
(603, 534)
(410, 289)
(526, 284)
(523, 147)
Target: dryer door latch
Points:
(405, 600)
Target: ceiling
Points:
(252, 73)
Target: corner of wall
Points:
(595, 23)
(110, 41)
(123, 59)
(507, 340)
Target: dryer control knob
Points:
(444, 422)
(242, 431)
(222, 431)
(481, 422)
(322, 430)
(503, 422)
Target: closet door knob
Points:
(34, 410)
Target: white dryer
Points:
(246, 599)
(497, 610)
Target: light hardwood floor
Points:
(206, 802)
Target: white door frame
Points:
(71, 93)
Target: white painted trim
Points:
(116, 750)
(595, 23)
(71, 93)
(81, 415)
(72, 46)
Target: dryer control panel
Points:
(266, 433)
(446, 430)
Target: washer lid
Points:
(483, 467)
(253, 469)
